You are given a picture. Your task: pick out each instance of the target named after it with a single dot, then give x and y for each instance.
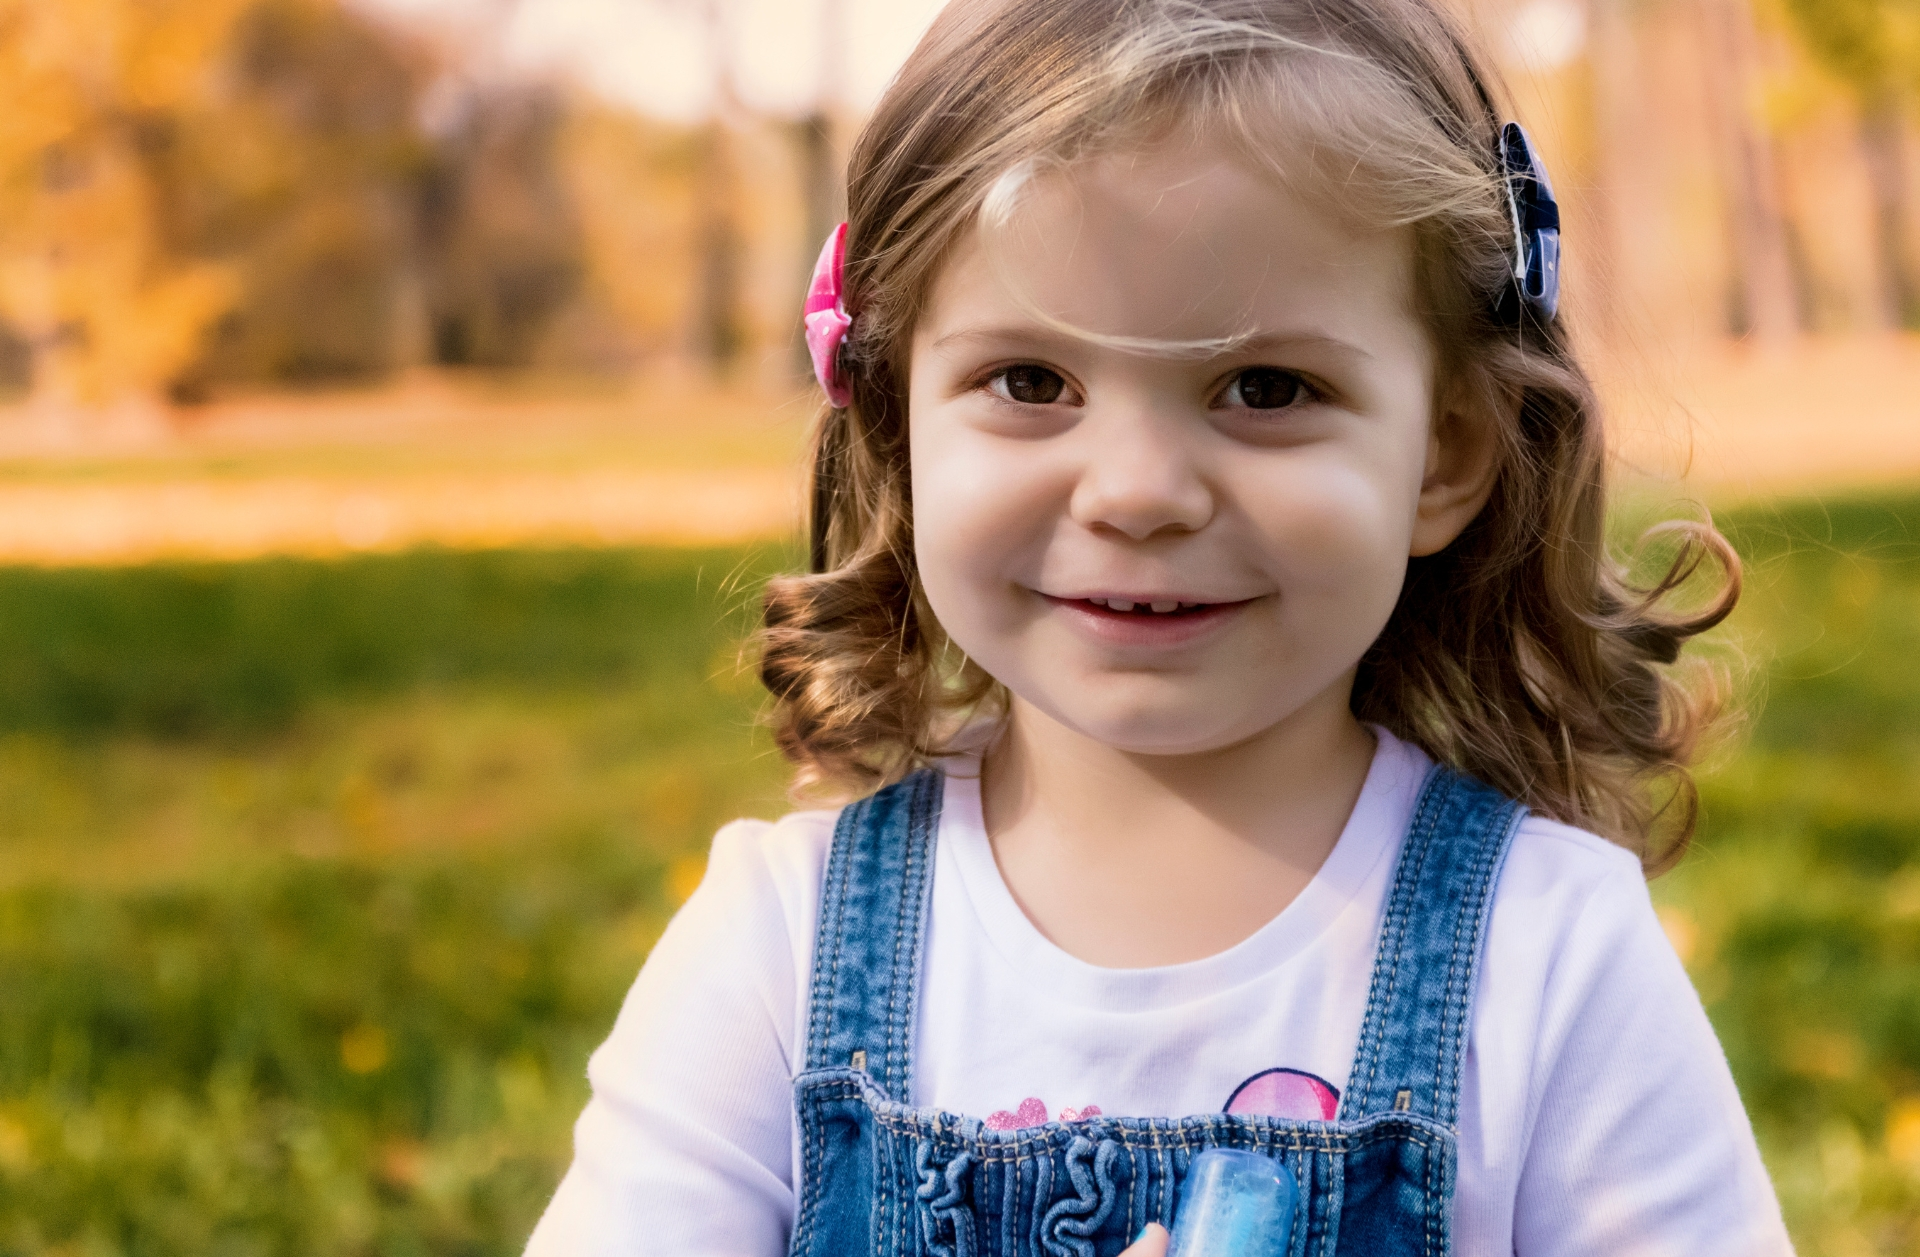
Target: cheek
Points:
(974, 516)
(943, 541)
(1337, 527)
(946, 522)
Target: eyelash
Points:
(1310, 391)
(998, 375)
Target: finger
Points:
(1152, 1242)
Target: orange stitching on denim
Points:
(820, 1015)
(912, 902)
(1419, 842)
(1469, 934)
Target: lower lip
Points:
(1131, 628)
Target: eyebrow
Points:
(1244, 345)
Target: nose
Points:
(1138, 478)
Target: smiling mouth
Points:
(1157, 608)
(1146, 609)
(1147, 623)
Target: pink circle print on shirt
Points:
(1288, 1093)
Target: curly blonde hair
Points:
(1522, 654)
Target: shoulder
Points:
(762, 872)
(737, 950)
(790, 854)
(688, 1138)
(754, 909)
(1557, 873)
(1573, 930)
(792, 849)
(1552, 872)
(1599, 1072)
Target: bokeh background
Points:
(400, 401)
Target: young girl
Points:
(1209, 573)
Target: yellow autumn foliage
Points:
(85, 276)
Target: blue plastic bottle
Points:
(1234, 1204)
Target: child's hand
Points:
(1152, 1242)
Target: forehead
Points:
(1176, 247)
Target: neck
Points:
(1128, 859)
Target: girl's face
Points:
(1174, 553)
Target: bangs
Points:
(1309, 109)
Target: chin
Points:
(1185, 729)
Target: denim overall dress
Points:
(880, 1178)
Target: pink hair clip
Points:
(827, 319)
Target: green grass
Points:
(1801, 902)
(318, 881)
(246, 649)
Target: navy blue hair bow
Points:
(1536, 223)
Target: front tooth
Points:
(1119, 604)
(1164, 607)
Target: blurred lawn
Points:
(321, 880)
(318, 881)
(1799, 910)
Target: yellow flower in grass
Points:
(1903, 1132)
(363, 1049)
(684, 876)
(16, 1146)
(1682, 931)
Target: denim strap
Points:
(1414, 1037)
(866, 951)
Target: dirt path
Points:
(235, 519)
(1729, 423)
(435, 460)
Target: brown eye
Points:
(1265, 388)
(1031, 385)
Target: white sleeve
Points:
(1639, 1145)
(685, 1149)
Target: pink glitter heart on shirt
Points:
(1032, 1112)
(1071, 1114)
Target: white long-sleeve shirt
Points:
(1597, 1114)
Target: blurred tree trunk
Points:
(821, 175)
(717, 319)
(718, 324)
(1869, 45)
(1882, 139)
(1766, 300)
(1616, 94)
(821, 193)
